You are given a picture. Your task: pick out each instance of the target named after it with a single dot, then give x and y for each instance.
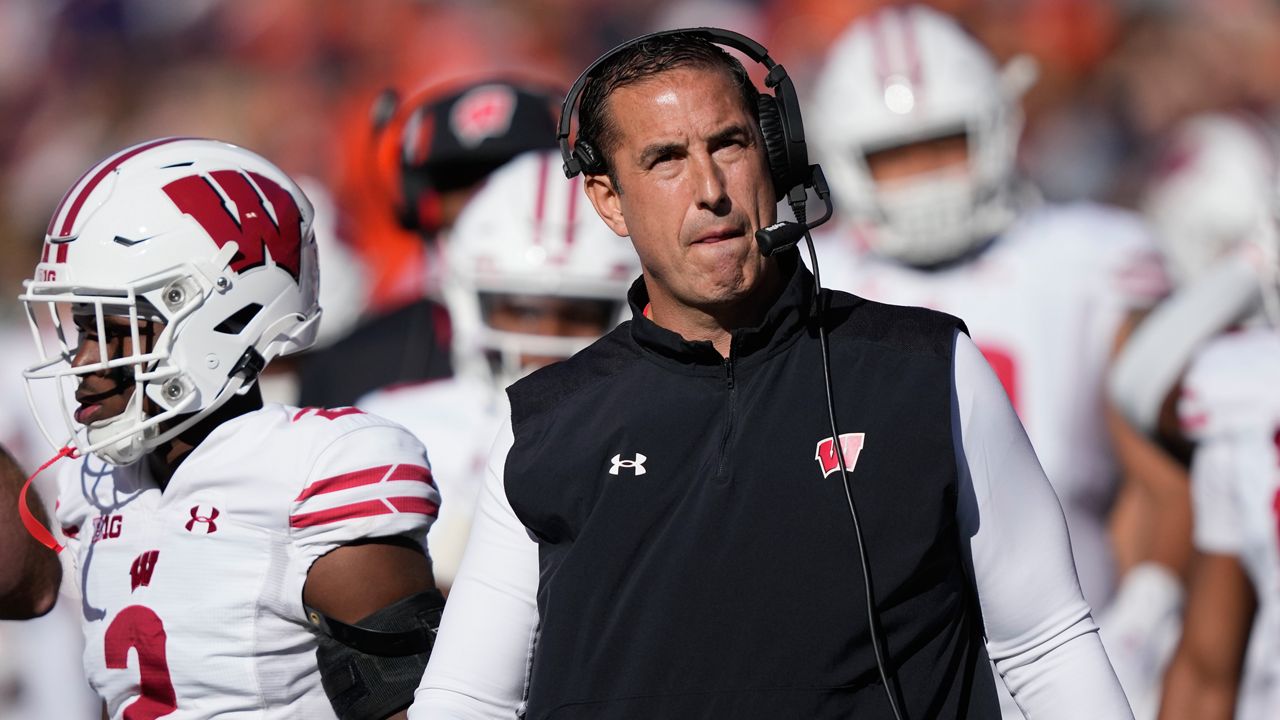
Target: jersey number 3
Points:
(139, 628)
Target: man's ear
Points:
(607, 201)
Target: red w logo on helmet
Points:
(243, 218)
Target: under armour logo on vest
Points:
(637, 464)
(208, 520)
(143, 566)
(850, 445)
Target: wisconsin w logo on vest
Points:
(261, 217)
(850, 445)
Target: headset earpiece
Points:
(589, 161)
(774, 135)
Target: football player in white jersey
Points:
(1217, 200)
(532, 276)
(233, 559)
(917, 128)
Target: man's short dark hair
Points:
(643, 60)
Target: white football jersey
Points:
(1230, 405)
(192, 597)
(458, 419)
(1044, 303)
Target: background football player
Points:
(231, 557)
(1204, 367)
(918, 130)
(432, 153)
(532, 276)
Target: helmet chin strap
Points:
(38, 531)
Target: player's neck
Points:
(165, 459)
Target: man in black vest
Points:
(664, 532)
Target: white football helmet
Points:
(1212, 191)
(529, 232)
(906, 75)
(209, 239)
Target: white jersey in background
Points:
(458, 419)
(1044, 302)
(192, 598)
(1230, 405)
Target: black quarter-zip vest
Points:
(696, 562)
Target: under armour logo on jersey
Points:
(207, 520)
(636, 465)
(143, 566)
(482, 113)
(850, 445)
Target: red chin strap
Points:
(29, 521)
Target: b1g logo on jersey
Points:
(106, 527)
(850, 446)
(261, 217)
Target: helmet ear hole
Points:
(239, 320)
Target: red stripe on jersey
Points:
(367, 476)
(540, 203)
(345, 481)
(422, 506)
(105, 170)
(573, 212)
(71, 531)
(412, 472)
(912, 48)
(366, 508)
(879, 48)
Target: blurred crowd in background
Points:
(297, 81)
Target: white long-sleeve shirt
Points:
(1039, 629)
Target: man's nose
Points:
(88, 352)
(710, 185)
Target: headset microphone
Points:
(784, 235)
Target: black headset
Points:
(788, 154)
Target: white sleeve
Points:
(1039, 630)
(479, 664)
(1215, 505)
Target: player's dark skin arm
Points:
(29, 572)
(1204, 676)
(355, 581)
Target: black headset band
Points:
(777, 77)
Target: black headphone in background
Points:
(781, 129)
(788, 156)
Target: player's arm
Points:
(29, 572)
(1040, 632)
(369, 593)
(1152, 521)
(1203, 678)
(479, 666)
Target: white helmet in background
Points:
(906, 75)
(1213, 190)
(530, 234)
(209, 239)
